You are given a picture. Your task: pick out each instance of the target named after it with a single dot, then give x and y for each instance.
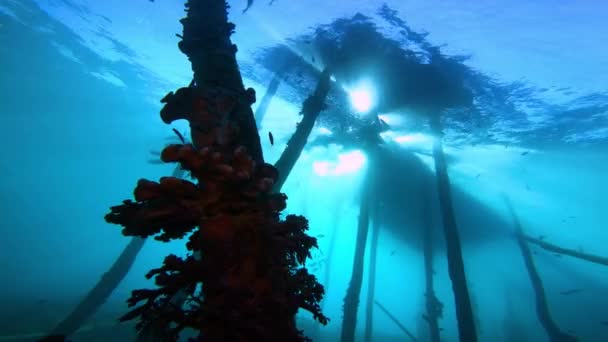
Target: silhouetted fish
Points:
(524, 153)
(180, 136)
(249, 3)
(271, 138)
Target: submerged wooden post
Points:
(260, 112)
(98, 295)
(434, 308)
(311, 108)
(464, 311)
(596, 259)
(371, 277)
(542, 308)
(250, 291)
(353, 293)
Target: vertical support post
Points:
(371, 279)
(464, 311)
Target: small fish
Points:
(541, 237)
(313, 59)
(478, 175)
(571, 291)
(604, 323)
(179, 135)
(557, 255)
(425, 317)
(249, 3)
(320, 236)
(393, 252)
(271, 138)
(524, 153)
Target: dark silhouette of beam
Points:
(434, 308)
(569, 252)
(311, 108)
(542, 308)
(464, 311)
(262, 108)
(396, 321)
(371, 278)
(353, 293)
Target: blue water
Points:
(81, 82)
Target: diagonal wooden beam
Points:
(569, 252)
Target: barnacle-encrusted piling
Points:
(244, 277)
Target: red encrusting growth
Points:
(250, 280)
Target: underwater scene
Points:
(279, 170)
